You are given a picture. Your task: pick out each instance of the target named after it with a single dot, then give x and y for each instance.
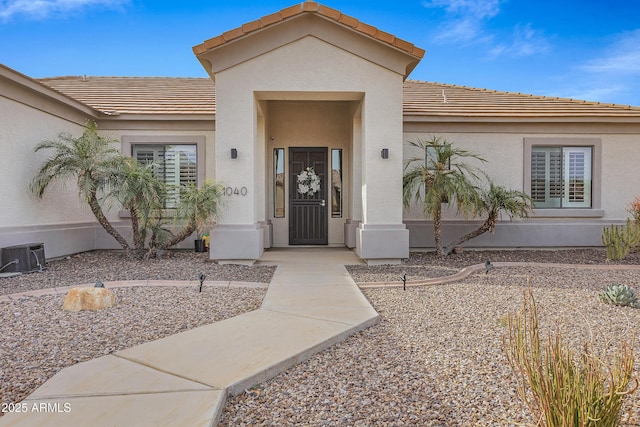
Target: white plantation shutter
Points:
(175, 165)
(561, 177)
(577, 177)
(546, 176)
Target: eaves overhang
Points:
(23, 89)
(307, 19)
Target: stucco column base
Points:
(350, 232)
(237, 244)
(267, 229)
(382, 243)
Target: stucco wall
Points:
(22, 128)
(322, 72)
(58, 220)
(504, 152)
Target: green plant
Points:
(90, 159)
(105, 177)
(560, 387)
(619, 240)
(197, 211)
(621, 295)
(443, 178)
(495, 201)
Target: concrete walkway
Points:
(183, 380)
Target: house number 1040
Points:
(235, 191)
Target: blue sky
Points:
(581, 49)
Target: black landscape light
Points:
(404, 281)
(488, 266)
(202, 277)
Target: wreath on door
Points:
(308, 182)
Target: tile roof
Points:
(139, 95)
(310, 7)
(196, 96)
(445, 100)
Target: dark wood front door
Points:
(309, 220)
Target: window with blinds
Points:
(175, 165)
(561, 177)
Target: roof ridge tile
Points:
(309, 7)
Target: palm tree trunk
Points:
(186, 231)
(104, 222)
(437, 231)
(488, 225)
(139, 236)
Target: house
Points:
(310, 87)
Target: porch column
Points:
(382, 237)
(239, 235)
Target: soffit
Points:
(302, 20)
(34, 93)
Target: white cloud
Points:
(525, 41)
(467, 22)
(41, 9)
(624, 57)
(479, 9)
(466, 19)
(461, 30)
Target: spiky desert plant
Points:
(619, 240)
(621, 295)
(560, 387)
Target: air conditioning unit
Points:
(23, 258)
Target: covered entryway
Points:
(308, 224)
(309, 76)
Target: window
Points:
(175, 165)
(561, 177)
(278, 183)
(336, 183)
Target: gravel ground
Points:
(39, 338)
(88, 267)
(435, 358)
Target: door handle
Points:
(323, 203)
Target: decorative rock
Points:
(88, 298)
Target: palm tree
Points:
(94, 163)
(443, 178)
(198, 209)
(496, 201)
(142, 193)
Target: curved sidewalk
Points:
(183, 380)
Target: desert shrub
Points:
(560, 387)
(619, 240)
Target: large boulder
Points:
(88, 298)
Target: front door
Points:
(309, 220)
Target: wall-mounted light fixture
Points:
(234, 153)
(384, 153)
